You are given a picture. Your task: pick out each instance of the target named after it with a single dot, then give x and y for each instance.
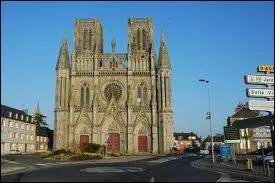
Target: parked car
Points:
(269, 157)
(13, 151)
(271, 162)
(204, 151)
(176, 151)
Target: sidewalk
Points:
(231, 168)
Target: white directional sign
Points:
(261, 105)
(259, 79)
(260, 92)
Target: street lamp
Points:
(209, 117)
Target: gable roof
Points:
(244, 112)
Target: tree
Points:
(39, 120)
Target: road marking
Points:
(45, 164)
(112, 169)
(152, 179)
(162, 160)
(228, 179)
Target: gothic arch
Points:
(141, 130)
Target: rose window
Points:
(113, 89)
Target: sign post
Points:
(268, 92)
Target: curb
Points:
(196, 164)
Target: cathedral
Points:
(122, 100)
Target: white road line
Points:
(162, 160)
(45, 164)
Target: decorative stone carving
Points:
(113, 89)
(142, 131)
(113, 127)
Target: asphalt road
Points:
(165, 169)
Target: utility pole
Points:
(209, 117)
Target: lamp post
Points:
(209, 117)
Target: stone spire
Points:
(63, 57)
(163, 59)
(113, 46)
(37, 109)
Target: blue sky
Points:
(218, 41)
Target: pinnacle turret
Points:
(163, 59)
(63, 57)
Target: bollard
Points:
(249, 164)
(267, 169)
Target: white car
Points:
(204, 151)
(15, 151)
(267, 158)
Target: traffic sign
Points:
(259, 79)
(231, 135)
(266, 68)
(260, 92)
(261, 105)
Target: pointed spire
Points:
(63, 57)
(113, 45)
(162, 37)
(37, 111)
(163, 58)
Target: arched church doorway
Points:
(142, 140)
(113, 143)
(84, 139)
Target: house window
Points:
(10, 135)
(27, 119)
(10, 123)
(22, 117)
(15, 135)
(27, 127)
(41, 139)
(10, 114)
(27, 136)
(16, 125)
(32, 128)
(45, 139)
(42, 146)
(16, 115)
(31, 137)
(22, 126)
(37, 138)
(13, 146)
(32, 147)
(21, 135)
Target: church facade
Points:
(123, 100)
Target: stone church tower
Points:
(122, 100)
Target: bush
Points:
(86, 156)
(59, 151)
(46, 154)
(90, 147)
